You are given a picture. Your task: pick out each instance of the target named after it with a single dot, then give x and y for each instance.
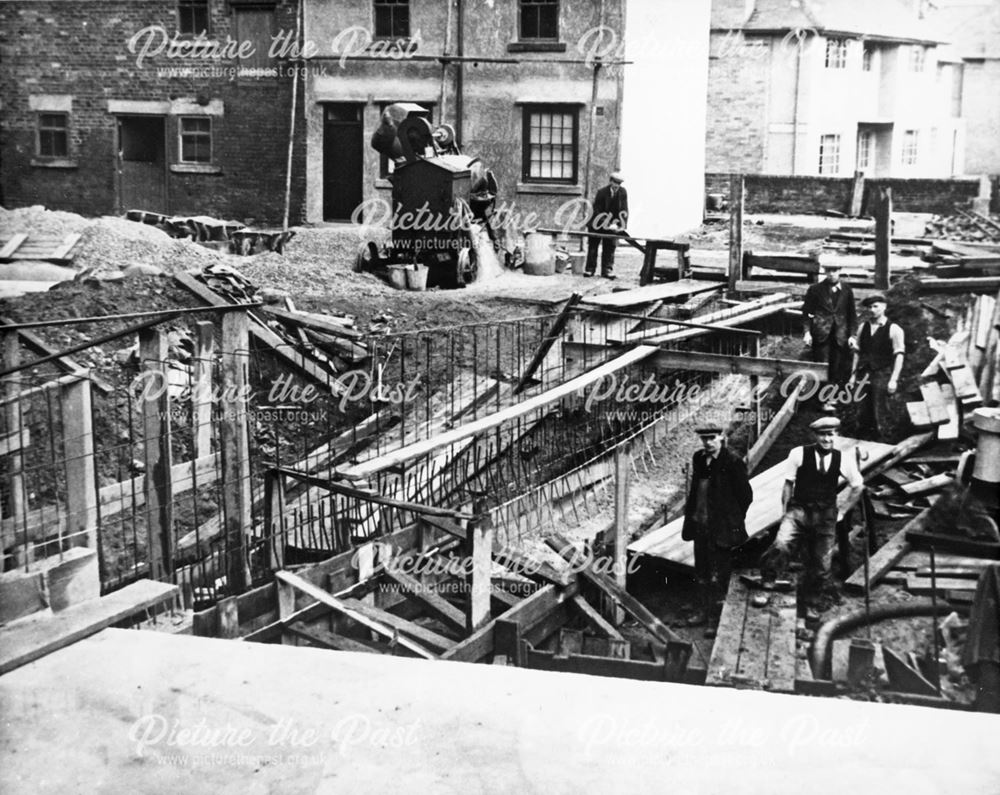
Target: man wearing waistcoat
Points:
(829, 309)
(809, 504)
(879, 356)
(714, 517)
(609, 217)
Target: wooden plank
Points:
(925, 485)
(725, 657)
(439, 607)
(78, 449)
(479, 547)
(326, 639)
(959, 545)
(201, 377)
(554, 332)
(728, 317)
(775, 427)
(640, 670)
(736, 207)
(781, 261)
(923, 586)
(622, 459)
(951, 572)
(887, 556)
(336, 604)
(12, 245)
(857, 194)
(964, 384)
(953, 427)
(970, 285)
(39, 346)
(313, 321)
(36, 636)
(883, 234)
(738, 365)
(663, 291)
(15, 441)
(476, 427)
(934, 400)
(68, 243)
(920, 416)
(595, 620)
(527, 614)
(124, 495)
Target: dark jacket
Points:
(729, 497)
(609, 209)
(828, 316)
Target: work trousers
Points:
(607, 254)
(811, 529)
(837, 356)
(713, 567)
(873, 412)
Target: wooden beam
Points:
(982, 284)
(10, 391)
(883, 233)
(430, 639)
(622, 461)
(39, 346)
(479, 547)
(736, 205)
(737, 365)
(201, 403)
(12, 245)
(756, 453)
(722, 319)
(553, 333)
(421, 592)
(157, 453)
(650, 293)
(476, 427)
(326, 639)
(235, 447)
(857, 194)
(32, 638)
(78, 449)
(336, 604)
(595, 620)
(890, 553)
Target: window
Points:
(836, 53)
(911, 143)
(53, 135)
(255, 24)
(867, 57)
(386, 165)
(866, 150)
(192, 17)
(540, 19)
(196, 139)
(550, 143)
(917, 58)
(392, 19)
(829, 154)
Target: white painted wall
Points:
(663, 125)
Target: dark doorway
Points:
(142, 183)
(343, 161)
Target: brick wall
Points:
(787, 194)
(737, 104)
(81, 50)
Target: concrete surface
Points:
(142, 712)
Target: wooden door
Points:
(343, 160)
(142, 157)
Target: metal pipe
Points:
(77, 321)
(459, 73)
(299, 11)
(820, 655)
(795, 103)
(444, 65)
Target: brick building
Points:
(176, 106)
(827, 88)
(522, 96)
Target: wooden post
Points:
(479, 547)
(735, 229)
(755, 401)
(621, 535)
(236, 499)
(883, 237)
(201, 406)
(286, 606)
(857, 194)
(12, 411)
(78, 449)
(156, 452)
(229, 618)
(274, 519)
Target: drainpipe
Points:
(291, 123)
(459, 73)
(444, 67)
(591, 127)
(795, 103)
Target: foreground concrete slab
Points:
(143, 712)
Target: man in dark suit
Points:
(714, 517)
(609, 217)
(832, 316)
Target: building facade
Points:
(172, 106)
(827, 89)
(514, 83)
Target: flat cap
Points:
(825, 424)
(709, 429)
(616, 176)
(832, 265)
(874, 298)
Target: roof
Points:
(972, 26)
(886, 19)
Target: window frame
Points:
(192, 7)
(910, 150)
(866, 147)
(840, 59)
(181, 133)
(824, 168)
(391, 6)
(41, 129)
(918, 59)
(529, 110)
(538, 6)
(867, 57)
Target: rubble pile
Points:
(965, 226)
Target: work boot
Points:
(709, 633)
(812, 615)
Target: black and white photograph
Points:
(500, 396)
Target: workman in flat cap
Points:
(608, 217)
(810, 514)
(714, 517)
(881, 347)
(831, 314)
